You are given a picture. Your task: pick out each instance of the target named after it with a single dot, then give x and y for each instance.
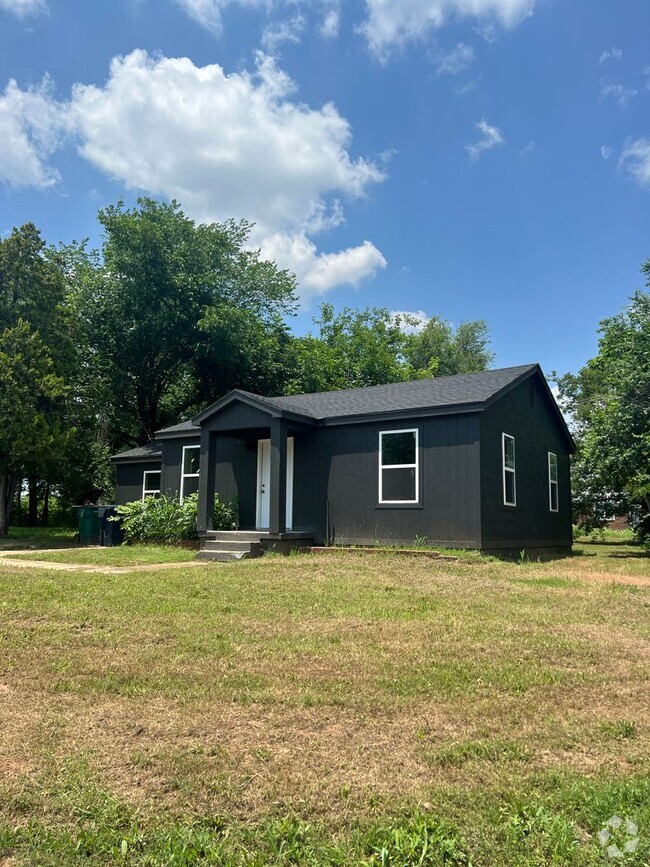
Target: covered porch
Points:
(248, 456)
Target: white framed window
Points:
(150, 484)
(398, 466)
(190, 471)
(509, 471)
(553, 500)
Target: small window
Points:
(553, 501)
(509, 480)
(398, 466)
(150, 484)
(190, 471)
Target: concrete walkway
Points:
(9, 558)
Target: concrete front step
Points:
(234, 545)
(226, 556)
(235, 535)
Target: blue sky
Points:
(469, 158)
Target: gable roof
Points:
(469, 392)
(431, 393)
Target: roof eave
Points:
(177, 434)
(141, 459)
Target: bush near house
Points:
(167, 520)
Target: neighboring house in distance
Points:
(473, 461)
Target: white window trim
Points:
(415, 466)
(506, 469)
(552, 482)
(149, 492)
(187, 475)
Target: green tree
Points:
(609, 401)
(32, 408)
(353, 349)
(438, 350)
(32, 289)
(153, 309)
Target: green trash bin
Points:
(90, 528)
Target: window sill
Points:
(509, 508)
(399, 506)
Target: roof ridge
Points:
(513, 367)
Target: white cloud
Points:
(468, 87)
(289, 30)
(331, 20)
(635, 160)
(605, 152)
(207, 13)
(492, 137)
(223, 145)
(611, 54)
(530, 148)
(23, 8)
(234, 144)
(410, 321)
(620, 94)
(390, 24)
(33, 125)
(317, 273)
(455, 60)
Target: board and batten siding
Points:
(129, 480)
(236, 476)
(525, 413)
(172, 457)
(336, 484)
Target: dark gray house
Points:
(472, 461)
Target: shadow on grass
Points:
(38, 538)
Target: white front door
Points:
(264, 483)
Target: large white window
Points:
(553, 501)
(509, 475)
(150, 484)
(190, 471)
(398, 466)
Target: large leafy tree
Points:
(352, 349)
(439, 350)
(34, 429)
(161, 310)
(356, 348)
(32, 290)
(609, 401)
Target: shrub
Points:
(167, 520)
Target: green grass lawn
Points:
(37, 537)
(124, 555)
(318, 710)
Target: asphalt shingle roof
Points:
(150, 451)
(184, 427)
(431, 393)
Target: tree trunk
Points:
(8, 484)
(4, 512)
(18, 504)
(45, 516)
(32, 515)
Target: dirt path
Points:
(8, 558)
